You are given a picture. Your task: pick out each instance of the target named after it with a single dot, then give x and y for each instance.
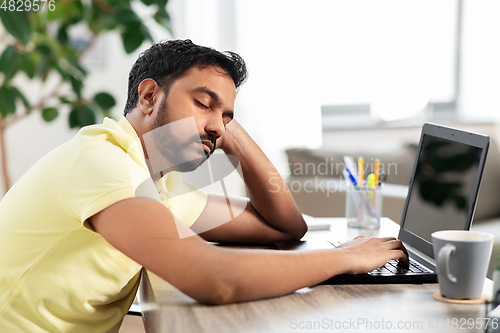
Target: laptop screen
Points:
(442, 189)
(445, 184)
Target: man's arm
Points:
(146, 232)
(270, 215)
(247, 226)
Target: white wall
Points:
(481, 59)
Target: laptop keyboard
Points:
(393, 267)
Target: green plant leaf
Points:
(49, 114)
(43, 49)
(132, 39)
(148, 2)
(43, 67)
(18, 94)
(163, 18)
(77, 11)
(77, 85)
(62, 35)
(105, 23)
(37, 22)
(126, 16)
(9, 62)
(70, 12)
(105, 100)
(62, 71)
(72, 59)
(81, 116)
(27, 65)
(64, 100)
(99, 20)
(17, 24)
(7, 102)
(162, 3)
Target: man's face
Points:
(191, 118)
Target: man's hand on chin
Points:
(224, 141)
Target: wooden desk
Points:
(362, 308)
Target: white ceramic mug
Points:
(462, 259)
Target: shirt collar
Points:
(125, 124)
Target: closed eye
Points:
(201, 104)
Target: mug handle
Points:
(443, 262)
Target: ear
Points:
(149, 94)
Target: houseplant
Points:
(36, 42)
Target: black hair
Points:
(168, 60)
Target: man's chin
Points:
(191, 165)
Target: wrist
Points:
(347, 261)
(232, 137)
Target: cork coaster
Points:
(438, 297)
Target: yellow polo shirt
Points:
(55, 274)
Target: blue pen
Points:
(351, 169)
(351, 177)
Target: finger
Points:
(351, 242)
(387, 239)
(355, 240)
(403, 258)
(404, 249)
(399, 244)
(359, 237)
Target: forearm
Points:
(228, 275)
(268, 192)
(268, 273)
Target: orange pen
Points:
(377, 171)
(361, 171)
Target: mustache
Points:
(208, 137)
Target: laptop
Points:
(442, 195)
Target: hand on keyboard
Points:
(369, 254)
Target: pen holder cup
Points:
(363, 206)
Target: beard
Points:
(178, 142)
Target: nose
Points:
(215, 126)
